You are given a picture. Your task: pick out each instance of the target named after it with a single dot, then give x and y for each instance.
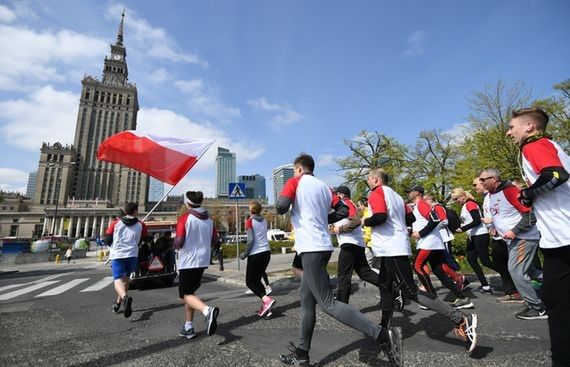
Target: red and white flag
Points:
(164, 158)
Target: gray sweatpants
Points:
(521, 254)
(315, 288)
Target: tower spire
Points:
(120, 33)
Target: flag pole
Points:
(165, 195)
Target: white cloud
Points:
(155, 42)
(284, 114)
(458, 132)
(416, 42)
(325, 160)
(48, 115)
(13, 180)
(193, 182)
(40, 56)
(168, 123)
(159, 75)
(204, 101)
(7, 15)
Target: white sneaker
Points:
(248, 291)
(268, 290)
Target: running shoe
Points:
(116, 307)
(128, 301)
(266, 307)
(510, 298)
(211, 318)
(482, 290)
(188, 334)
(298, 356)
(268, 290)
(467, 330)
(248, 291)
(462, 303)
(391, 345)
(532, 314)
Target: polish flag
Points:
(164, 158)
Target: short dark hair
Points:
(131, 208)
(536, 114)
(305, 161)
(195, 197)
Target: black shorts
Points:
(189, 281)
(297, 262)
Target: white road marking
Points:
(99, 285)
(64, 287)
(6, 287)
(27, 290)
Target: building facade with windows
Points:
(254, 186)
(225, 171)
(31, 188)
(280, 176)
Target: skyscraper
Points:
(254, 186)
(107, 107)
(30, 190)
(155, 189)
(225, 171)
(280, 176)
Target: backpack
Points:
(453, 221)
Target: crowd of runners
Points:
(375, 237)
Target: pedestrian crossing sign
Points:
(236, 190)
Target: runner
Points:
(124, 236)
(478, 236)
(195, 237)
(310, 201)
(515, 223)
(432, 249)
(258, 256)
(545, 167)
(351, 241)
(391, 245)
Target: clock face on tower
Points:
(117, 57)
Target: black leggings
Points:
(500, 255)
(478, 246)
(256, 266)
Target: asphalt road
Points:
(43, 322)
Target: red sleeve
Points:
(290, 189)
(377, 201)
(512, 194)
(424, 209)
(541, 154)
(181, 225)
(144, 232)
(351, 208)
(440, 211)
(111, 229)
(248, 224)
(471, 205)
(408, 209)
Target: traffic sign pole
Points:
(236, 190)
(237, 235)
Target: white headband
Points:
(188, 201)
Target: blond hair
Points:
(458, 191)
(255, 207)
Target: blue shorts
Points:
(123, 267)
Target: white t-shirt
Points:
(505, 210)
(433, 240)
(198, 234)
(552, 208)
(126, 238)
(259, 229)
(466, 218)
(311, 201)
(391, 237)
(356, 237)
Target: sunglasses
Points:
(483, 179)
(474, 185)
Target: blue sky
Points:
(269, 79)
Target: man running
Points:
(545, 166)
(123, 236)
(310, 201)
(391, 245)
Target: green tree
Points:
(486, 144)
(558, 108)
(432, 161)
(370, 150)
